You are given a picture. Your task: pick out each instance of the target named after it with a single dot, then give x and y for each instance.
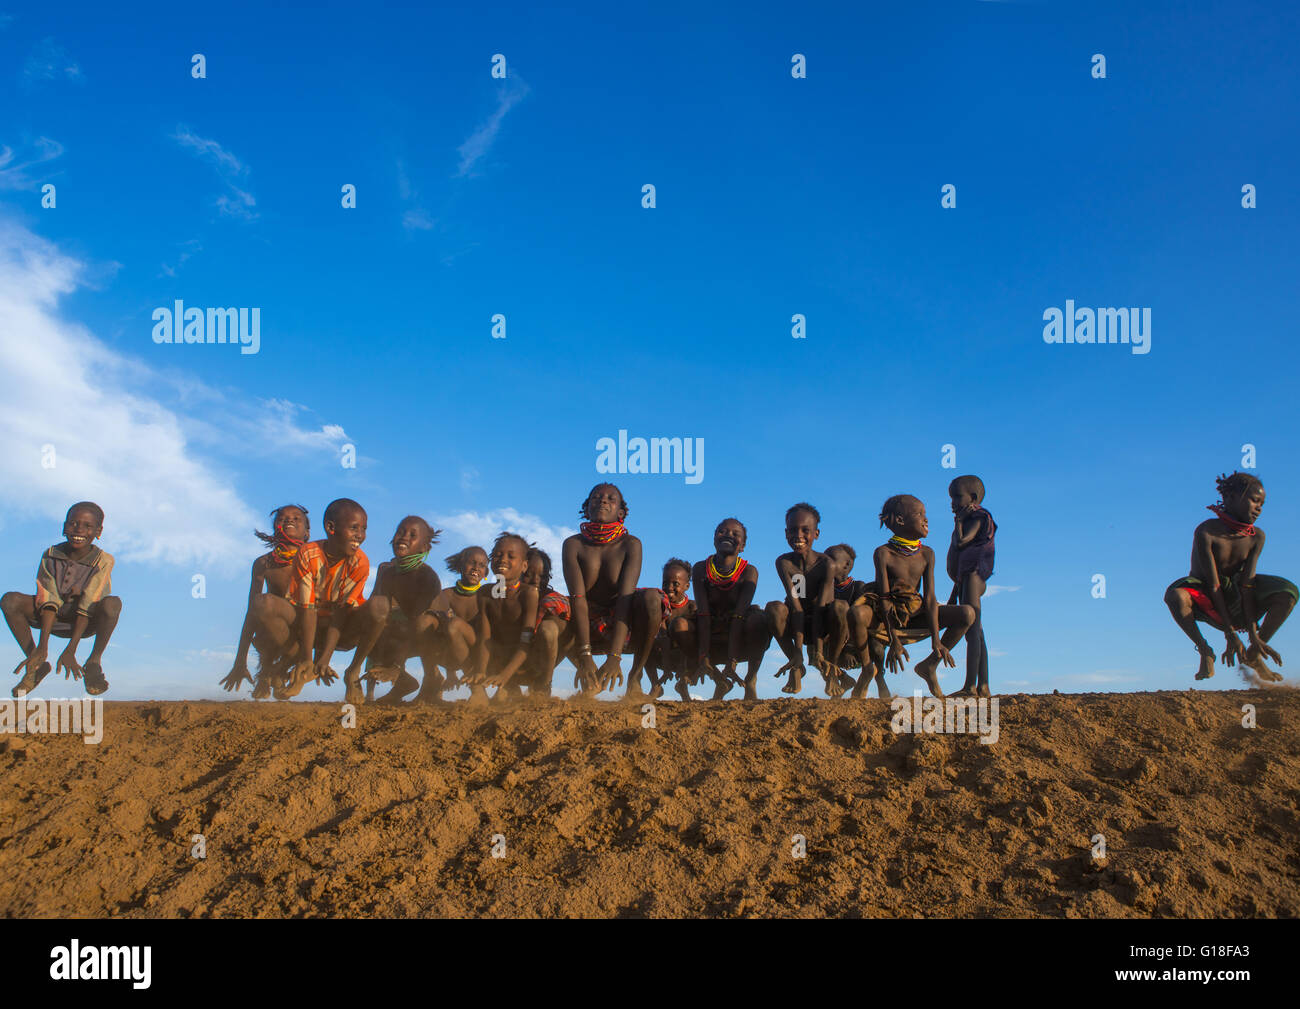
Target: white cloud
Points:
(114, 440)
(481, 528)
(15, 176)
(417, 220)
(993, 590)
(480, 141)
(50, 61)
(236, 202)
(468, 478)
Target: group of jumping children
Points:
(307, 601)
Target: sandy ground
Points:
(598, 816)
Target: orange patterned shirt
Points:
(319, 585)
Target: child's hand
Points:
(68, 664)
(944, 655)
(704, 669)
(236, 676)
(1234, 649)
(611, 673)
(729, 671)
(1261, 646)
(896, 658)
(587, 674)
(789, 667)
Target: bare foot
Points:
(721, 687)
(1256, 662)
(795, 683)
(983, 690)
(403, 685)
(430, 690)
(1207, 666)
(885, 693)
(262, 687)
(478, 697)
(965, 691)
(683, 688)
(928, 669)
(860, 688)
(634, 691)
(657, 691)
(751, 688)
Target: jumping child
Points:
(667, 654)
(903, 564)
(1225, 551)
(395, 628)
(71, 600)
(449, 622)
(850, 646)
(730, 627)
(809, 613)
(553, 630)
(273, 573)
(507, 614)
(602, 563)
(324, 613)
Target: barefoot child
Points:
(677, 628)
(449, 622)
(324, 612)
(507, 614)
(273, 573)
(902, 565)
(1225, 552)
(602, 563)
(405, 587)
(850, 647)
(809, 613)
(970, 566)
(730, 627)
(71, 601)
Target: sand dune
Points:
(601, 817)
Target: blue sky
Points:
(775, 196)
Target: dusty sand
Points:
(604, 818)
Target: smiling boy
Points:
(71, 600)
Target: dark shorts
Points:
(64, 619)
(1266, 587)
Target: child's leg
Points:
(550, 640)
(969, 592)
(1184, 612)
(372, 619)
(758, 638)
(955, 621)
(102, 626)
(646, 619)
(860, 618)
(20, 610)
(876, 652)
(779, 623)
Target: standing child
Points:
(1223, 589)
(71, 601)
(273, 573)
(970, 566)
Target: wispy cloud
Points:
(468, 479)
(16, 175)
(49, 61)
(481, 528)
(236, 201)
(188, 249)
(415, 217)
(154, 468)
(475, 148)
(993, 590)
